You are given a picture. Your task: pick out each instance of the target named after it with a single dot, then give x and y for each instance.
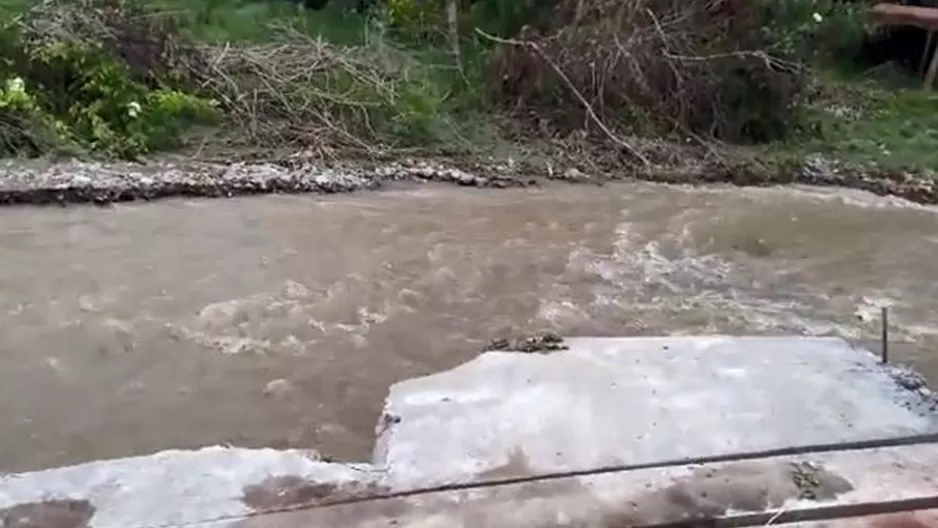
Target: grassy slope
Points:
(867, 117)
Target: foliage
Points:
(651, 67)
(506, 18)
(813, 30)
(24, 128)
(422, 18)
(892, 124)
(77, 93)
(413, 15)
(123, 77)
(305, 92)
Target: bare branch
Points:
(586, 105)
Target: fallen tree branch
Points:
(563, 76)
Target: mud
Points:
(48, 514)
(284, 492)
(710, 494)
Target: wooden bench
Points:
(922, 17)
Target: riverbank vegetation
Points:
(126, 78)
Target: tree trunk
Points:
(452, 22)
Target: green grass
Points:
(222, 21)
(888, 121)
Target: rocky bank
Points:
(50, 183)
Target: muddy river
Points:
(281, 321)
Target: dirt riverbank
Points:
(64, 182)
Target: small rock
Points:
(80, 180)
(574, 174)
(463, 178)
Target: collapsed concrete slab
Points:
(640, 400)
(604, 401)
(171, 488)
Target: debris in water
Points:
(805, 477)
(536, 343)
(280, 389)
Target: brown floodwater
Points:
(135, 328)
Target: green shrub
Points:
(413, 15)
(506, 17)
(814, 30)
(24, 127)
(66, 91)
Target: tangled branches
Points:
(304, 91)
(294, 90)
(650, 67)
(639, 67)
(150, 45)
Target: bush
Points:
(651, 67)
(115, 78)
(812, 30)
(413, 15)
(110, 77)
(296, 90)
(94, 76)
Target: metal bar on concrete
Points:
(775, 490)
(700, 428)
(805, 450)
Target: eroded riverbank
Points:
(77, 182)
(282, 320)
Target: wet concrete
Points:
(607, 402)
(48, 514)
(688, 428)
(141, 327)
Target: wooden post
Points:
(452, 23)
(924, 62)
(919, 16)
(932, 71)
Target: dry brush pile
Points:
(650, 67)
(299, 90)
(293, 90)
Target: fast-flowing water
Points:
(281, 321)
